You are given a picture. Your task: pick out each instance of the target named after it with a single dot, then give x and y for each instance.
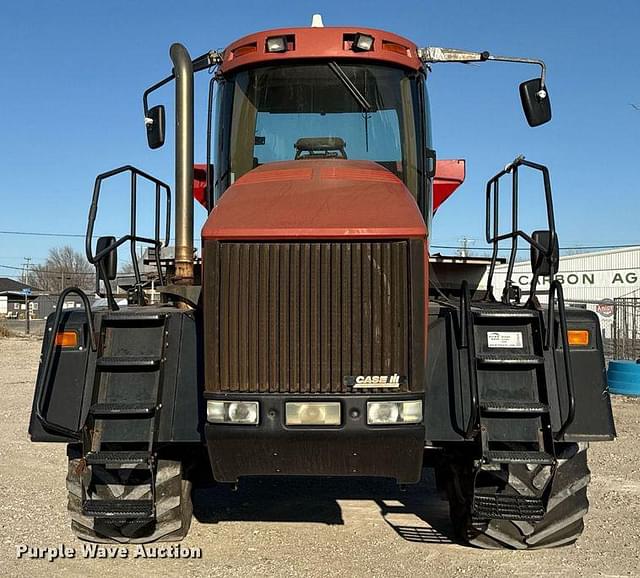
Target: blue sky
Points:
(73, 73)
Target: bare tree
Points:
(64, 267)
(126, 268)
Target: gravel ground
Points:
(18, 326)
(305, 528)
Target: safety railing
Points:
(548, 251)
(467, 342)
(157, 242)
(555, 289)
(493, 235)
(47, 362)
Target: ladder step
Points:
(499, 313)
(119, 509)
(127, 362)
(519, 457)
(115, 459)
(123, 409)
(508, 358)
(517, 407)
(506, 507)
(133, 318)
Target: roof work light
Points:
(362, 42)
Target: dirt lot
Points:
(302, 528)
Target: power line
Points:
(47, 272)
(453, 247)
(40, 234)
(527, 248)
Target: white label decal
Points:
(505, 339)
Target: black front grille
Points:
(301, 317)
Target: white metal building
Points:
(588, 279)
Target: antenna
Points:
(316, 21)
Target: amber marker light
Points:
(67, 339)
(578, 337)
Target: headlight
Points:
(313, 413)
(394, 412)
(241, 412)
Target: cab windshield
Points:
(320, 110)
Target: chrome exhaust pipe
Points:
(183, 70)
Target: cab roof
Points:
(321, 43)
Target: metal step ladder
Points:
(122, 422)
(510, 408)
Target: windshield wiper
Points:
(353, 89)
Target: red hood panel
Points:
(316, 199)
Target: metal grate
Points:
(300, 317)
(507, 507)
(626, 328)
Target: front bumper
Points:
(350, 449)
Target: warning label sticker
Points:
(505, 339)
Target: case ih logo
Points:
(365, 381)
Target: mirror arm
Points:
(207, 60)
(203, 62)
(517, 59)
(435, 54)
(145, 96)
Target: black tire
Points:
(173, 503)
(562, 524)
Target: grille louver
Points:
(299, 317)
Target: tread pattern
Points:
(173, 503)
(562, 523)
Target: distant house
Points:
(13, 304)
(46, 304)
(12, 298)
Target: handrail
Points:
(556, 288)
(47, 365)
(492, 216)
(133, 236)
(467, 341)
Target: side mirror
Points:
(110, 260)
(431, 163)
(541, 263)
(535, 102)
(155, 122)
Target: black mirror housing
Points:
(155, 121)
(110, 260)
(431, 163)
(541, 263)
(535, 102)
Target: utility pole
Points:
(26, 313)
(27, 292)
(463, 251)
(25, 270)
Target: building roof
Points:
(11, 286)
(613, 251)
